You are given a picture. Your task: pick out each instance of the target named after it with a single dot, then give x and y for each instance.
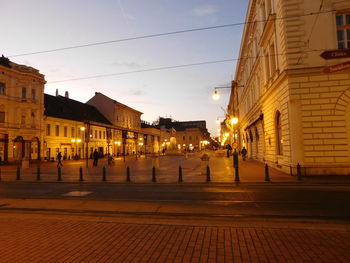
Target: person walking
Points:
(95, 155)
(244, 153)
(59, 159)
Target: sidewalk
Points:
(221, 171)
(40, 238)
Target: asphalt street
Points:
(264, 200)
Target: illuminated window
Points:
(279, 140)
(65, 131)
(343, 30)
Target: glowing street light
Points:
(234, 120)
(216, 95)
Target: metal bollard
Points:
(104, 174)
(81, 174)
(208, 173)
(180, 174)
(236, 174)
(38, 174)
(299, 172)
(267, 173)
(154, 174)
(59, 175)
(18, 173)
(128, 174)
(235, 158)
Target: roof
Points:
(118, 103)
(65, 108)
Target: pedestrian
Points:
(59, 159)
(244, 153)
(95, 155)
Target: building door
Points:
(18, 148)
(3, 148)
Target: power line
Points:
(180, 66)
(144, 70)
(160, 35)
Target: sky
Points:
(183, 93)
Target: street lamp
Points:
(216, 94)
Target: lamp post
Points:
(86, 130)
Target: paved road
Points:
(278, 200)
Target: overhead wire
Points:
(312, 29)
(159, 35)
(177, 66)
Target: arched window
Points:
(279, 140)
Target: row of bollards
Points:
(154, 178)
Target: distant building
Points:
(75, 128)
(294, 104)
(188, 135)
(127, 121)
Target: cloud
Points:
(205, 10)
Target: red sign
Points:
(337, 67)
(337, 53)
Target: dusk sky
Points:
(182, 93)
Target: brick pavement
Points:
(64, 240)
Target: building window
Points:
(272, 59)
(33, 94)
(190, 138)
(48, 129)
(95, 134)
(72, 132)
(65, 131)
(24, 93)
(2, 88)
(32, 120)
(57, 130)
(23, 120)
(104, 135)
(343, 30)
(2, 116)
(184, 138)
(99, 134)
(279, 140)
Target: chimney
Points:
(56, 92)
(66, 94)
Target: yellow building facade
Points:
(127, 125)
(21, 112)
(36, 126)
(292, 100)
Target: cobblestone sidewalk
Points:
(64, 240)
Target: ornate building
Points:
(292, 84)
(21, 112)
